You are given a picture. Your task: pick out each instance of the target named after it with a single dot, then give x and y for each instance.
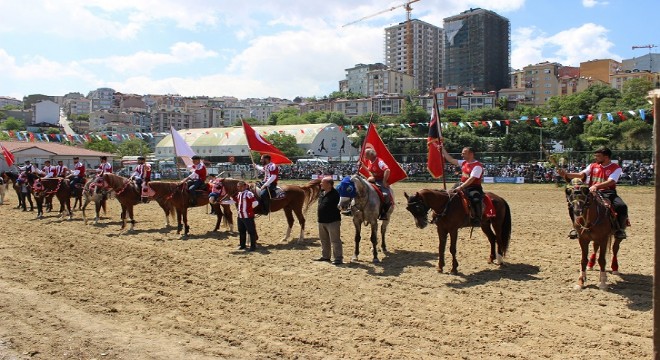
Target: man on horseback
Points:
(61, 170)
(142, 172)
(603, 175)
(29, 171)
(472, 172)
(269, 187)
(48, 171)
(196, 178)
(380, 173)
(104, 167)
(78, 174)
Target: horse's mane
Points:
(115, 181)
(230, 185)
(312, 190)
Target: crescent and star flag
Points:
(181, 147)
(9, 157)
(435, 161)
(373, 141)
(257, 143)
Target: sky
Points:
(257, 49)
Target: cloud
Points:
(569, 47)
(592, 3)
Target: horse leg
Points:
(442, 243)
(602, 263)
(301, 221)
(383, 231)
(229, 220)
(494, 257)
(123, 217)
(452, 249)
(218, 213)
(179, 224)
(83, 209)
(289, 220)
(592, 258)
(68, 207)
(130, 214)
(615, 252)
(374, 241)
(582, 280)
(185, 223)
(358, 229)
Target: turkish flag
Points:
(435, 162)
(373, 141)
(9, 157)
(257, 143)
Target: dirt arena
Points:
(75, 291)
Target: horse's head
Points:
(418, 209)
(38, 188)
(577, 193)
(347, 192)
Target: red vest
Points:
(600, 174)
(466, 170)
(375, 169)
(244, 201)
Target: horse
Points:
(594, 222)
(178, 196)
(365, 203)
(451, 212)
(45, 188)
(3, 190)
(93, 191)
(23, 197)
(296, 200)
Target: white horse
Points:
(364, 202)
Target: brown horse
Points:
(296, 200)
(46, 188)
(23, 197)
(450, 213)
(594, 222)
(177, 196)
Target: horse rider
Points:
(48, 171)
(269, 187)
(472, 173)
(142, 172)
(603, 175)
(380, 173)
(29, 171)
(61, 170)
(78, 174)
(104, 167)
(196, 178)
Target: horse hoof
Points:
(578, 287)
(454, 272)
(615, 272)
(602, 286)
(376, 261)
(590, 268)
(354, 259)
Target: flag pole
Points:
(247, 141)
(437, 123)
(176, 157)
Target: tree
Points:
(133, 147)
(101, 145)
(13, 124)
(287, 144)
(633, 94)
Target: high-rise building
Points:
(426, 50)
(477, 50)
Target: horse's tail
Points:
(312, 190)
(506, 228)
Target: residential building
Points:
(447, 98)
(427, 49)
(649, 62)
(513, 96)
(472, 100)
(384, 81)
(357, 79)
(78, 106)
(517, 79)
(541, 82)
(599, 69)
(45, 111)
(619, 78)
(477, 50)
(352, 107)
(6, 100)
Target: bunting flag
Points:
(9, 157)
(373, 141)
(257, 143)
(181, 147)
(435, 161)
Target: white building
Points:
(46, 111)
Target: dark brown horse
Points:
(296, 200)
(593, 222)
(23, 197)
(178, 197)
(451, 213)
(46, 188)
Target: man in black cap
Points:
(142, 172)
(196, 178)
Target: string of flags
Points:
(539, 121)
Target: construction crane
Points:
(650, 47)
(409, 37)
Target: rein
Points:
(585, 225)
(57, 188)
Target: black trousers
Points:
(247, 226)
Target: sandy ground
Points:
(75, 291)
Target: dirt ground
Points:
(75, 291)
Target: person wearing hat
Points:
(104, 167)
(603, 175)
(78, 173)
(48, 171)
(142, 172)
(196, 178)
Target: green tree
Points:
(287, 115)
(287, 144)
(53, 131)
(103, 145)
(133, 147)
(13, 124)
(633, 94)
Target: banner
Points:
(435, 161)
(257, 143)
(373, 141)
(9, 157)
(181, 147)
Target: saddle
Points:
(278, 195)
(487, 205)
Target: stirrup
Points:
(620, 234)
(573, 234)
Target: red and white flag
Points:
(373, 141)
(9, 157)
(435, 162)
(257, 143)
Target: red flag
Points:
(564, 119)
(262, 146)
(373, 141)
(435, 161)
(9, 157)
(31, 135)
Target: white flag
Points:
(181, 147)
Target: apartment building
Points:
(599, 69)
(427, 49)
(384, 81)
(6, 100)
(101, 99)
(45, 112)
(619, 78)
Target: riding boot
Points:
(476, 214)
(573, 233)
(620, 233)
(383, 211)
(265, 203)
(193, 198)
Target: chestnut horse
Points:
(177, 196)
(593, 222)
(296, 201)
(450, 213)
(46, 188)
(9, 176)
